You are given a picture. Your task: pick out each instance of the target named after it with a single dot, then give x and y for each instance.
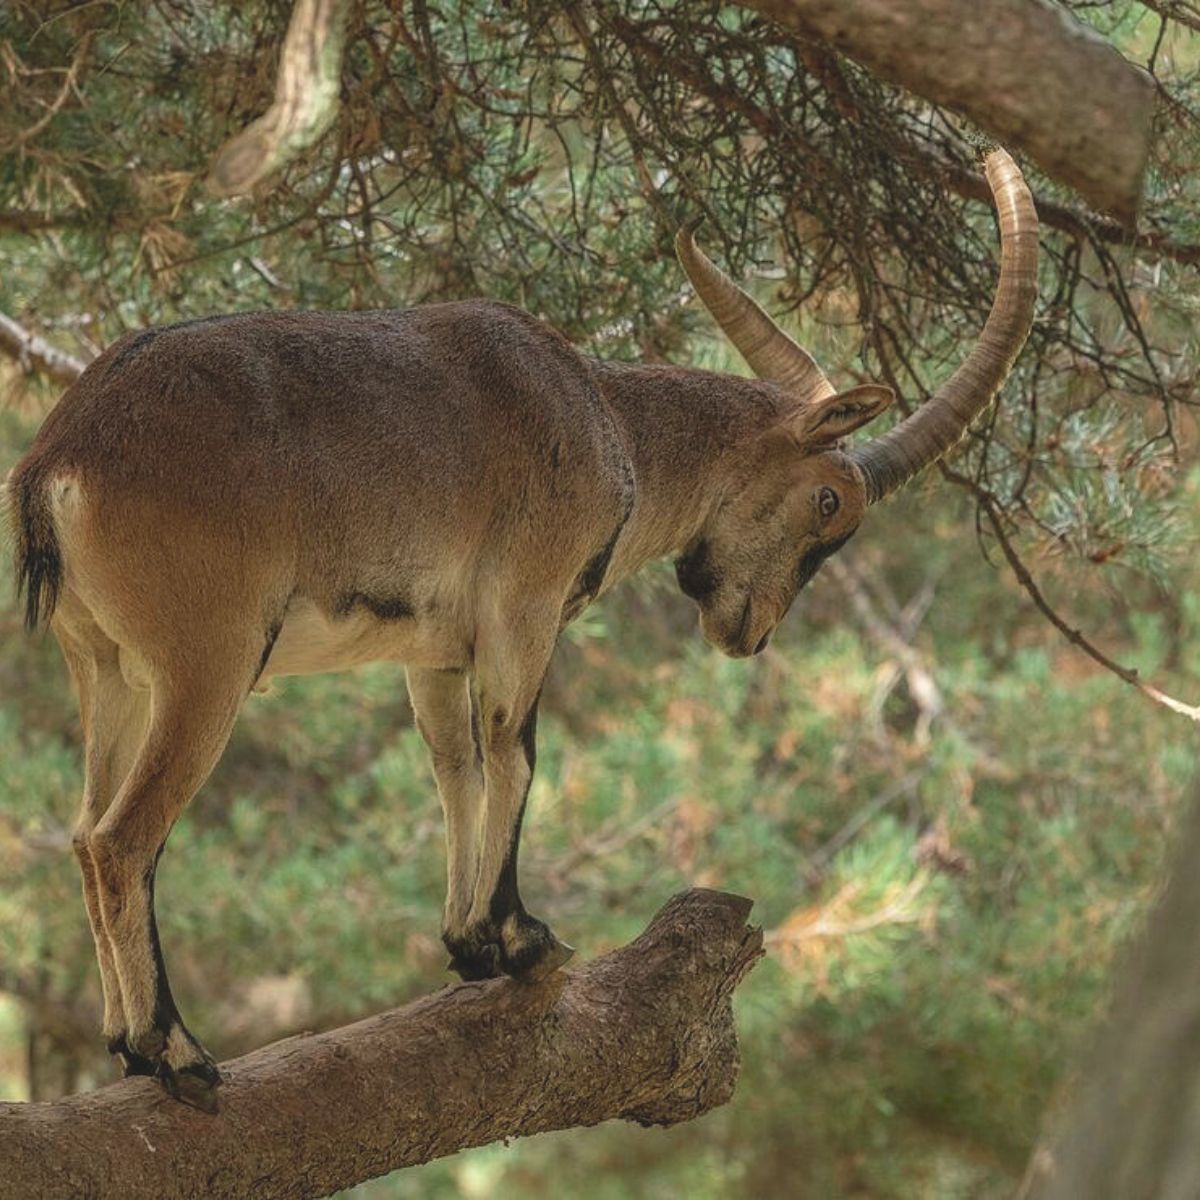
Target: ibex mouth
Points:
(740, 646)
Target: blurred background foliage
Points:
(949, 818)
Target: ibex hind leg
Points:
(113, 716)
(191, 719)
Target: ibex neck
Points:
(686, 432)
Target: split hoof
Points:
(195, 1085)
(534, 963)
(475, 964)
(131, 1063)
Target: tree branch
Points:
(1077, 222)
(1173, 10)
(307, 94)
(36, 354)
(644, 1033)
(19, 220)
(1023, 70)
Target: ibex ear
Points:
(836, 417)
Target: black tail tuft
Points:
(39, 560)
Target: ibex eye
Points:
(827, 502)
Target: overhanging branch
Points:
(1023, 70)
(644, 1033)
(1077, 222)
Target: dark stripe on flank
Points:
(386, 608)
(272, 638)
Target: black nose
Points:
(762, 645)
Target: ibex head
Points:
(802, 495)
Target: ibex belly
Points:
(311, 641)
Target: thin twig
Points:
(1128, 675)
(27, 135)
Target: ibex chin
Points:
(218, 502)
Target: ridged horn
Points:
(768, 351)
(890, 461)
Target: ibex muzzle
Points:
(215, 503)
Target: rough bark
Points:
(1133, 1130)
(644, 1033)
(1023, 70)
(36, 354)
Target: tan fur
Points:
(287, 493)
(214, 504)
(441, 702)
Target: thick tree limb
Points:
(1134, 1129)
(645, 1034)
(1077, 223)
(36, 354)
(1023, 70)
(307, 92)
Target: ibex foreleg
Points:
(509, 680)
(441, 702)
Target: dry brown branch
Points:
(644, 1033)
(1023, 70)
(15, 220)
(70, 86)
(906, 660)
(34, 353)
(1174, 10)
(307, 91)
(1075, 222)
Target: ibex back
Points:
(215, 503)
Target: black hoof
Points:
(531, 952)
(131, 1063)
(195, 1084)
(474, 962)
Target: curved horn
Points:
(768, 351)
(890, 461)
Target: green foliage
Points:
(944, 889)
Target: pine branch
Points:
(1023, 70)
(644, 1033)
(1077, 222)
(1075, 636)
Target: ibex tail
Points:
(25, 500)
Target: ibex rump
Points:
(215, 503)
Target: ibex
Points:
(215, 503)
